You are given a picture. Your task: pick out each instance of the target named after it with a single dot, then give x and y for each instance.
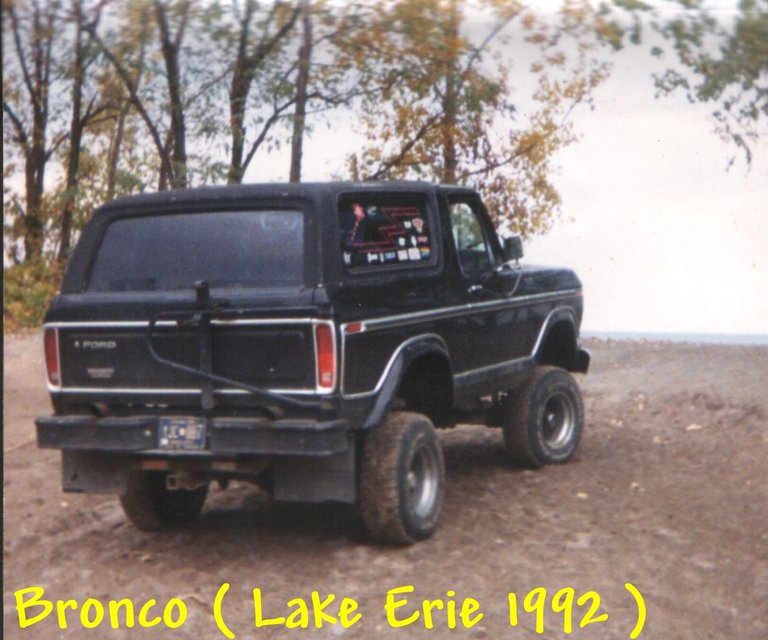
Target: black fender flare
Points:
(581, 357)
(404, 355)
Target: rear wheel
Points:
(151, 506)
(543, 420)
(401, 479)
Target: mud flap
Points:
(581, 365)
(318, 479)
(94, 472)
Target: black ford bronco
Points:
(306, 337)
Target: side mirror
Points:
(512, 249)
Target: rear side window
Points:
(384, 231)
(228, 249)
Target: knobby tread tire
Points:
(522, 437)
(386, 452)
(152, 507)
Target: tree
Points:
(302, 90)
(124, 161)
(445, 110)
(173, 93)
(276, 77)
(170, 45)
(253, 55)
(26, 91)
(326, 77)
(716, 57)
(81, 117)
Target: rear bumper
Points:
(225, 436)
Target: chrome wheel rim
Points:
(558, 420)
(422, 481)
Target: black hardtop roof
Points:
(226, 198)
(227, 195)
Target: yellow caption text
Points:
(401, 606)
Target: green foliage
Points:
(166, 93)
(444, 109)
(733, 77)
(715, 57)
(28, 289)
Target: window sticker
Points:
(384, 234)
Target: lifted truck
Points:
(308, 338)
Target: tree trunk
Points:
(246, 64)
(170, 49)
(37, 83)
(450, 162)
(238, 95)
(32, 220)
(131, 86)
(302, 82)
(114, 150)
(75, 138)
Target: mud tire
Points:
(401, 480)
(543, 420)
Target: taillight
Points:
(326, 356)
(51, 338)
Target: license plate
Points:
(185, 434)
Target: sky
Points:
(664, 237)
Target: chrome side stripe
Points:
(469, 372)
(176, 391)
(134, 324)
(403, 319)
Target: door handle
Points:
(475, 289)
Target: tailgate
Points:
(277, 355)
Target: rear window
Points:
(227, 249)
(384, 231)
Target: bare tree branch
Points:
(273, 118)
(22, 58)
(431, 122)
(135, 99)
(21, 134)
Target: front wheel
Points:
(151, 506)
(543, 420)
(401, 479)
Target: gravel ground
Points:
(669, 492)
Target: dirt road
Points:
(669, 492)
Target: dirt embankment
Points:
(669, 492)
